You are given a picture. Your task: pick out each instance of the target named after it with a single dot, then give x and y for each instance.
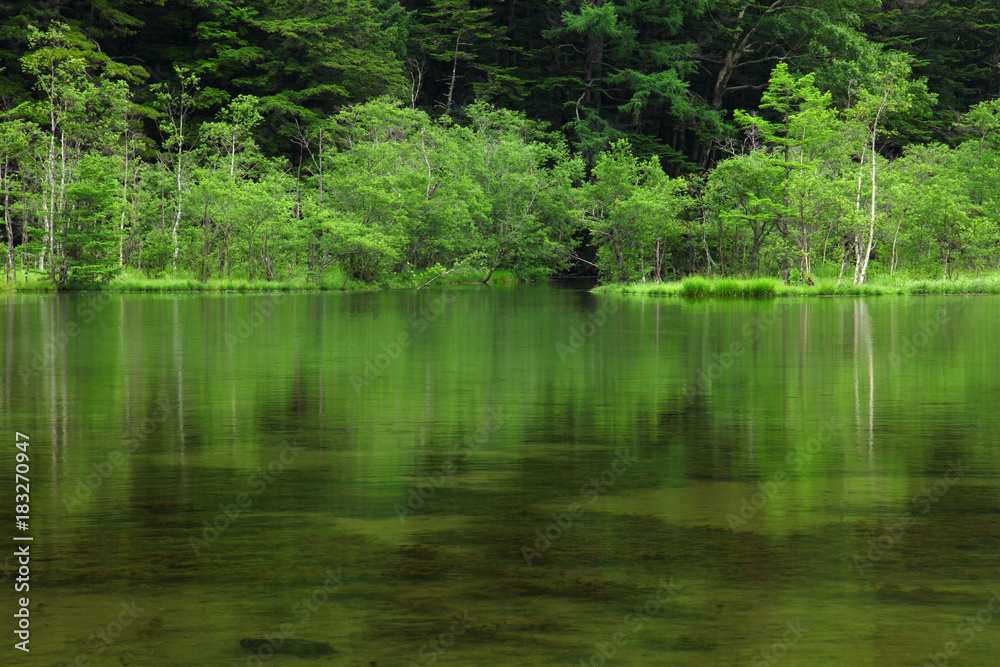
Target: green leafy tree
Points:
(177, 102)
(744, 195)
(464, 42)
(367, 186)
(887, 90)
(229, 161)
(15, 138)
(264, 209)
(89, 238)
(522, 173)
(76, 83)
(803, 147)
(625, 70)
(632, 209)
(302, 59)
(739, 43)
(953, 45)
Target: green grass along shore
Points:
(692, 286)
(699, 286)
(133, 281)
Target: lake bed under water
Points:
(527, 475)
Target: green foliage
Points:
(404, 191)
(466, 43)
(90, 243)
(283, 147)
(744, 197)
(694, 286)
(953, 44)
(766, 288)
(524, 176)
(300, 58)
(630, 70)
(697, 286)
(632, 209)
(155, 253)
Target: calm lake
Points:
(527, 475)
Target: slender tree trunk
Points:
(206, 243)
(180, 195)
(121, 224)
(857, 210)
(4, 178)
(826, 241)
(871, 227)
(489, 274)
(454, 72)
(722, 250)
(895, 238)
(163, 202)
(843, 262)
(222, 257)
(60, 209)
(50, 201)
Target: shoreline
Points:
(38, 283)
(770, 288)
(689, 287)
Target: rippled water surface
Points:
(506, 476)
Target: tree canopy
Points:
(372, 138)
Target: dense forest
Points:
(379, 140)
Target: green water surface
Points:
(532, 475)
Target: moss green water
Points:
(509, 476)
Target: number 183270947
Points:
(22, 484)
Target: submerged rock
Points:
(303, 648)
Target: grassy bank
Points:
(698, 286)
(133, 281)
